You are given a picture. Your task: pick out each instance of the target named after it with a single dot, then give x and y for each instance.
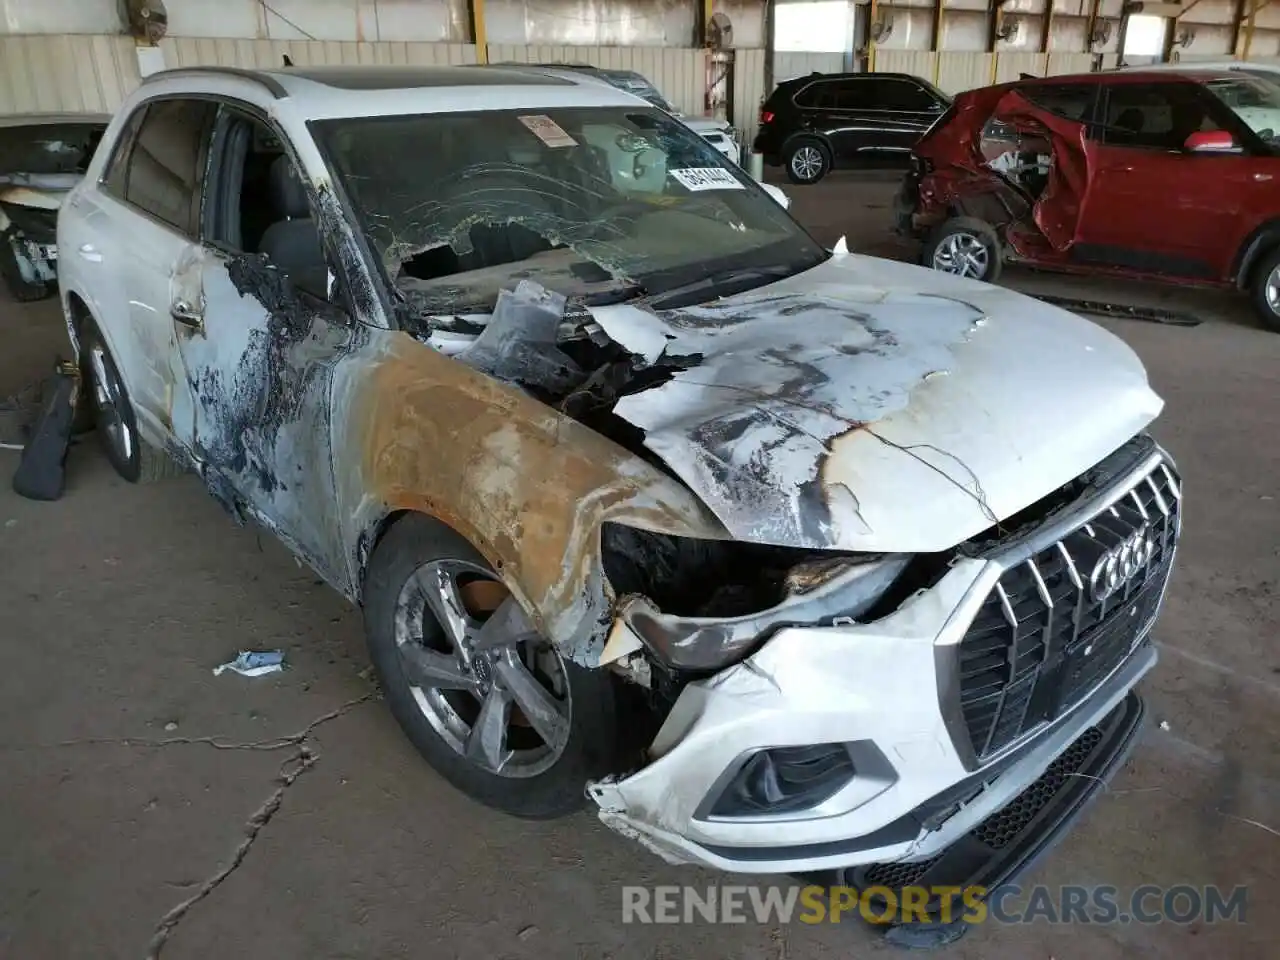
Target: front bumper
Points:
(886, 690)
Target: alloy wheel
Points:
(489, 685)
(807, 162)
(108, 404)
(1272, 291)
(962, 254)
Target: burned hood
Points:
(875, 406)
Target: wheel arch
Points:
(1261, 241)
(798, 135)
(376, 530)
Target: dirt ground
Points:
(116, 602)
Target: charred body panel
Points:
(775, 432)
(527, 485)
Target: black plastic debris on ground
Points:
(41, 474)
(1125, 311)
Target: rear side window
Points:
(893, 94)
(1158, 116)
(821, 95)
(1072, 101)
(165, 161)
(115, 174)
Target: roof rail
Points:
(257, 76)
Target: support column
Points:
(479, 36)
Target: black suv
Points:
(813, 123)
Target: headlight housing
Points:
(700, 605)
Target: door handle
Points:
(189, 316)
(89, 252)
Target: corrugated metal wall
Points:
(954, 72)
(919, 62)
(1011, 65)
(65, 74)
(788, 64)
(964, 71)
(200, 51)
(679, 73)
(748, 91)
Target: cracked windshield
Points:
(598, 204)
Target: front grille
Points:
(1006, 824)
(1048, 634)
(895, 876)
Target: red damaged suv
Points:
(1159, 175)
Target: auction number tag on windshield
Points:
(707, 178)
(548, 131)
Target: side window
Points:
(893, 94)
(1154, 116)
(257, 202)
(821, 95)
(1071, 101)
(114, 174)
(165, 168)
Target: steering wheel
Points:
(631, 142)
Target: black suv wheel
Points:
(807, 160)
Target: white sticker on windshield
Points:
(707, 178)
(548, 131)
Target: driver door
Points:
(1152, 206)
(258, 343)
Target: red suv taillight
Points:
(766, 116)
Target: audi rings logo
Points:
(1119, 564)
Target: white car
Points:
(861, 557)
(42, 156)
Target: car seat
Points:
(1131, 120)
(292, 242)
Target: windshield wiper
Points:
(723, 282)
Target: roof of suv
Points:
(346, 91)
(1130, 76)
(282, 81)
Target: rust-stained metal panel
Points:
(63, 73)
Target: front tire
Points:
(807, 161)
(964, 247)
(1265, 290)
(499, 713)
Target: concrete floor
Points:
(116, 601)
